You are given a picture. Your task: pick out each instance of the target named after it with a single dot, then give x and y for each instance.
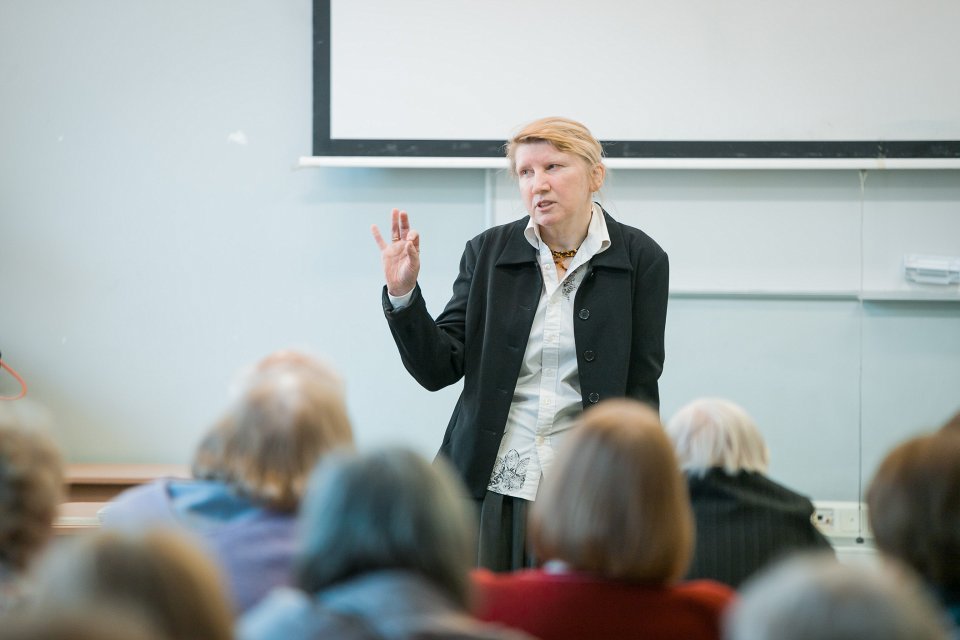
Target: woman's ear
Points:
(597, 176)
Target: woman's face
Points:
(556, 186)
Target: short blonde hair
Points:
(289, 414)
(564, 134)
(160, 575)
(616, 504)
(31, 488)
(713, 432)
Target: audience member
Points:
(387, 542)
(743, 518)
(97, 623)
(953, 425)
(615, 527)
(818, 598)
(158, 575)
(31, 488)
(914, 509)
(250, 471)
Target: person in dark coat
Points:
(744, 519)
(550, 314)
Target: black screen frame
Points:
(325, 146)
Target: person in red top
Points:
(615, 527)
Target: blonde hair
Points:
(158, 574)
(565, 135)
(713, 432)
(31, 488)
(616, 504)
(289, 414)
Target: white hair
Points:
(713, 432)
(819, 597)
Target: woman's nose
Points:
(540, 183)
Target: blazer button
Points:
(589, 356)
(594, 398)
(584, 314)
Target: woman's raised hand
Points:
(401, 258)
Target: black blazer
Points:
(482, 334)
(744, 522)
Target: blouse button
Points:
(594, 398)
(589, 356)
(584, 314)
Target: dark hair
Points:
(389, 509)
(31, 487)
(914, 506)
(953, 424)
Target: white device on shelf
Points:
(932, 269)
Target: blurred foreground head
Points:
(159, 576)
(817, 598)
(616, 503)
(290, 410)
(31, 484)
(389, 509)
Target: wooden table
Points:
(90, 486)
(77, 517)
(100, 482)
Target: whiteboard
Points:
(664, 78)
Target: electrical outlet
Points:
(841, 519)
(824, 519)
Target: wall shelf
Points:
(411, 162)
(952, 294)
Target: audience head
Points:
(712, 432)
(616, 503)
(97, 623)
(565, 135)
(389, 509)
(31, 485)
(290, 411)
(914, 506)
(158, 575)
(953, 425)
(816, 597)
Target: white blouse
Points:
(547, 398)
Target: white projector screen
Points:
(652, 78)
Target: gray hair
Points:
(713, 432)
(389, 509)
(818, 597)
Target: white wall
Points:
(147, 253)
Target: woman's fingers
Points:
(395, 224)
(404, 225)
(377, 237)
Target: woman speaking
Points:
(550, 314)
